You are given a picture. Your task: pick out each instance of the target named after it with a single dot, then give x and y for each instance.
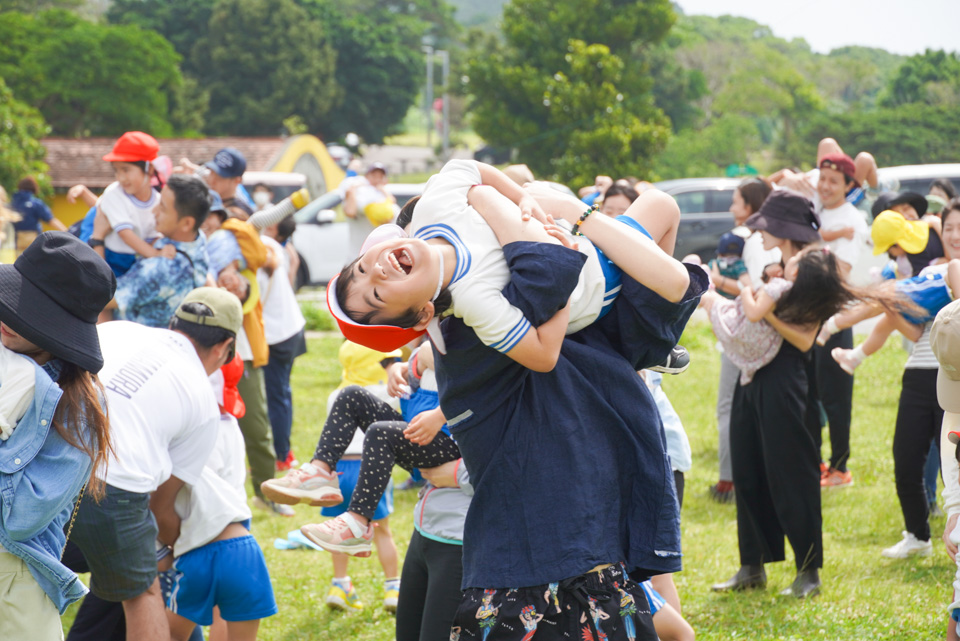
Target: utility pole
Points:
(428, 94)
(445, 128)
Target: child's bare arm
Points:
(756, 305)
(142, 247)
(841, 232)
(492, 176)
(539, 348)
(503, 217)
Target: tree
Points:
(89, 79)
(932, 78)
(379, 66)
(35, 6)
(727, 140)
(266, 60)
(568, 93)
(21, 154)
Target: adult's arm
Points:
(162, 505)
(799, 336)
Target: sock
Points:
(391, 584)
(831, 325)
(857, 354)
(343, 583)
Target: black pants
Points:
(918, 424)
(775, 466)
(383, 445)
(832, 387)
(429, 589)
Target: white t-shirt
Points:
(17, 383)
(359, 226)
(163, 414)
(218, 499)
(755, 257)
(282, 317)
(846, 215)
(481, 271)
(126, 212)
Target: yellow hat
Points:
(891, 228)
(380, 213)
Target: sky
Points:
(895, 25)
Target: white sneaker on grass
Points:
(308, 484)
(908, 546)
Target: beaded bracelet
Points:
(583, 217)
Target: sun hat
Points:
(134, 146)
(843, 163)
(227, 163)
(888, 200)
(891, 228)
(935, 204)
(787, 215)
(375, 166)
(227, 312)
(53, 294)
(945, 344)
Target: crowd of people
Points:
(498, 332)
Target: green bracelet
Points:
(583, 217)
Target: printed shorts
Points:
(604, 605)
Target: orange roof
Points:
(78, 161)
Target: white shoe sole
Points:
(291, 496)
(336, 603)
(893, 555)
(351, 550)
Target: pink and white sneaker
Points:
(342, 534)
(309, 484)
(846, 359)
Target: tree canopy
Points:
(21, 153)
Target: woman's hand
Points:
(424, 427)
(559, 204)
(530, 208)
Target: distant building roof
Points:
(78, 161)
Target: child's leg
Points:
(180, 628)
(243, 630)
(340, 563)
(218, 629)
(861, 312)
(708, 300)
(866, 169)
(663, 583)
(355, 408)
(670, 626)
(383, 446)
(879, 334)
(386, 549)
(659, 215)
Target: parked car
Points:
(917, 177)
(704, 213)
(281, 183)
(322, 242)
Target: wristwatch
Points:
(95, 242)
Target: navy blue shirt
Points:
(569, 467)
(31, 209)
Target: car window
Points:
(720, 200)
(692, 202)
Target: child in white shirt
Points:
(16, 390)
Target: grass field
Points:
(864, 596)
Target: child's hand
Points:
(397, 382)
(848, 233)
(168, 251)
(529, 207)
(561, 234)
(424, 427)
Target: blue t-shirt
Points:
(569, 467)
(31, 209)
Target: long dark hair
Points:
(408, 319)
(819, 291)
(82, 404)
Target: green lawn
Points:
(865, 596)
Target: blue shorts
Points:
(612, 275)
(231, 574)
(929, 291)
(349, 472)
(656, 601)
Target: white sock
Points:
(391, 584)
(310, 468)
(857, 354)
(343, 583)
(831, 325)
(354, 525)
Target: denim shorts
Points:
(117, 537)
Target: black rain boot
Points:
(747, 577)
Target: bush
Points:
(318, 319)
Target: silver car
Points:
(704, 213)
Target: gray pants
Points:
(729, 374)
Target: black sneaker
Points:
(676, 362)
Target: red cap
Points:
(382, 338)
(842, 163)
(134, 146)
(232, 373)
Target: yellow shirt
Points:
(361, 365)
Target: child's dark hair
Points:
(819, 292)
(408, 319)
(946, 186)
(621, 190)
(754, 191)
(285, 229)
(406, 212)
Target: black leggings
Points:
(918, 424)
(383, 445)
(833, 388)
(429, 589)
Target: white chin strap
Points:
(439, 279)
(433, 329)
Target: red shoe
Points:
(824, 470)
(288, 463)
(836, 478)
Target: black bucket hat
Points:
(53, 294)
(787, 215)
(888, 200)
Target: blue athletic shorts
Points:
(612, 275)
(656, 601)
(929, 291)
(231, 574)
(350, 471)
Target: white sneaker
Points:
(909, 546)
